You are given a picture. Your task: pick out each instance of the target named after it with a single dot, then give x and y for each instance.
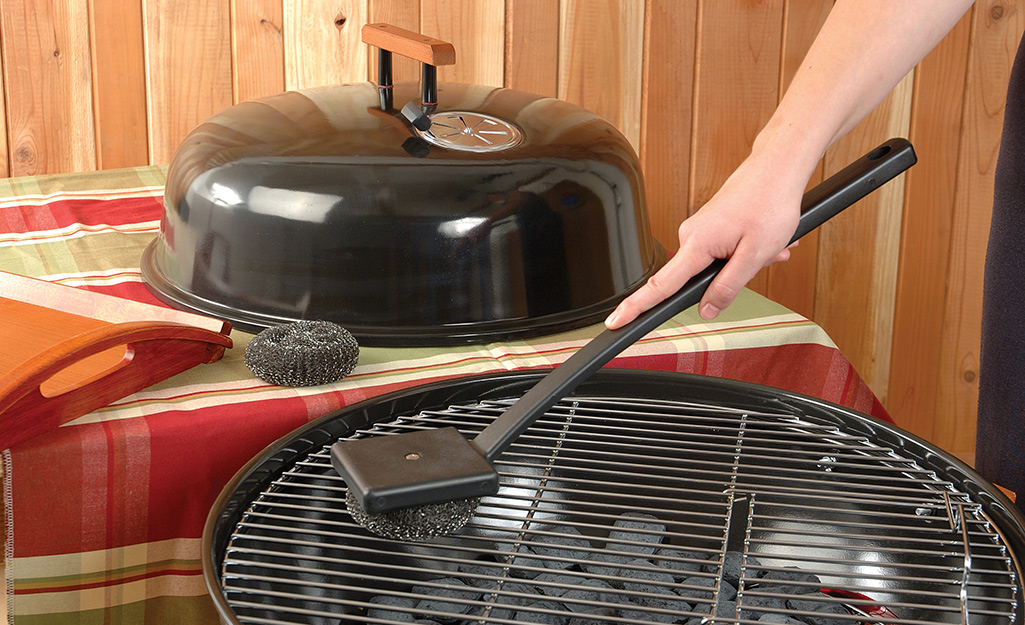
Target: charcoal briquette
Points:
(646, 616)
(384, 608)
(597, 617)
(454, 589)
(489, 611)
(514, 593)
(642, 576)
(588, 590)
(604, 563)
(779, 619)
(556, 584)
(480, 572)
(754, 602)
(696, 589)
(637, 533)
(789, 582)
(792, 575)
(563, 547)
(679, 563)
(542, 612)
(652, 582)
(519, 557)
(726, 608)
(823, 611)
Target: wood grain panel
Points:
(532, 46)
(188, 51)
(119, 83)
(601, 60)
(689, 82)
(257, 48)
(858, 250)
(736, 90)
(404, 14)
(996, 31)
(323, 44)
(793, 283)
(5, 166)
(925, 239)
(475, 28)
(670, 41)
(48, 86)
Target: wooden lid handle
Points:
(408, 43)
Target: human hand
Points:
(749, 221)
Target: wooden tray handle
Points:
(154, 351)
(408, 43)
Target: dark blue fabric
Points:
(1000, 447)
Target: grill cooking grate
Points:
(639, 511)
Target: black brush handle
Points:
(817, 206)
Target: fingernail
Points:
(708, 312)
(612, 318)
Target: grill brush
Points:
(387, 476)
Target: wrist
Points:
(794, 148)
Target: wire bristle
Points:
(416, 523)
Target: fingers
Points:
(666, 281)
(721, 292)
(784, 255)
(780, 258)
(725, 287)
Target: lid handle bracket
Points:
(429, 51)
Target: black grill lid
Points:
(518, 216)
(643, 498)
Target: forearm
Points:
(863, 50)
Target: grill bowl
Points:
(518, 215)
(744, 483)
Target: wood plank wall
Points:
(96, 84)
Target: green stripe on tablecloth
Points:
(126, 178)
(152, 611)
(88, 254)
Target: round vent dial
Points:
(470, 132)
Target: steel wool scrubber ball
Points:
(416, 523)
(302, 353)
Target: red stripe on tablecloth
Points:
(62, 213)
(114, 494)
(113, 581)
(824, 373)
(135, 291)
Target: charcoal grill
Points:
(644, 497)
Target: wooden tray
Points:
(65, 352)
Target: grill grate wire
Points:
(626, 511)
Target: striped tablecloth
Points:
(105, 514)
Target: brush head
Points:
(302, 353)
(416, 523)
(416, 468)
(413, 486)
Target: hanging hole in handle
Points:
(87, 370)
(879, 152)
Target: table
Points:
(104, 515)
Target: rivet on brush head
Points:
(412, 456)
